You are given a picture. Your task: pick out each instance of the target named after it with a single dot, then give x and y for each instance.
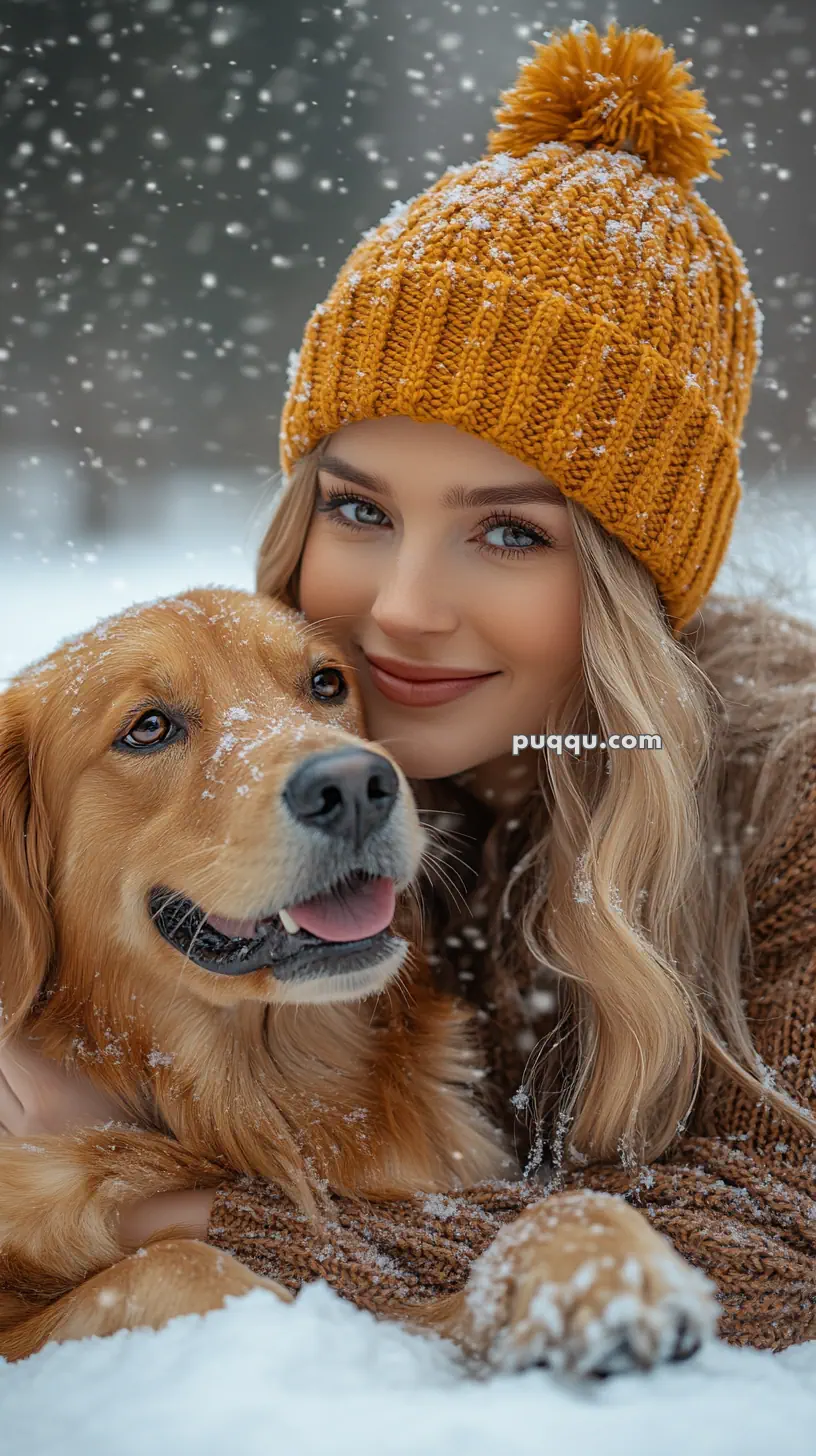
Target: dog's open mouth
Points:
(345, 928)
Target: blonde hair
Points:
(631, 887)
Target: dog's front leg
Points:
(581, 1283)
(60, 1198)
(169, 1277)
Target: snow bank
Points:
(320, 1376)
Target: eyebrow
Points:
(457, 495)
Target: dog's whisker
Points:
(196, 933)
(450, 857)
(177, 896)
(454, 891)
(440, 836)
(400, 989)
(448, 814)
(198, 853)
(174, 895)
(206, 858)
(430, 857)
(312, 629)
(444, 852)
(445, 877)
(418, 901)
(445, 831)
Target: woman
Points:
(510, 448)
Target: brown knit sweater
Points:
(736, 1196)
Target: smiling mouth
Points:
(412, 693)
(344, 928)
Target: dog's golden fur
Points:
(220, 1074)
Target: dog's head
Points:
(184, 792)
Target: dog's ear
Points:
(26, 928)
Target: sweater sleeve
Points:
(376, 1253)
(738, 1197)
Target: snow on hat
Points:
(569, 298)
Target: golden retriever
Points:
(204, 902)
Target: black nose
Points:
(347, 792)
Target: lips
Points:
(419, 687)
(415, 672)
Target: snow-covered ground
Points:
(321, 1377)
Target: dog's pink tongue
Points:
(363, 910)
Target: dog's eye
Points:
(152, 728)
(329, 685)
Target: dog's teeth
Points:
(290, 925)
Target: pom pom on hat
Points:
(624, 91)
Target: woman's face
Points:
(431, 549)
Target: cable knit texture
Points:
(735, 1196)
(569, 298)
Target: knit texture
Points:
(372, 1253)
(578, 305)
(735, 1196)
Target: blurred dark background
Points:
(181, 181)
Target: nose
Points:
(409, 600)
(346, 792)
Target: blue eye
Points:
(358, 504)
(333, 502)
(536, 540)
(511, 531)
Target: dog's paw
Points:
(582, 1283)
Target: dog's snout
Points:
(346, 792)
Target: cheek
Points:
(327, 585)
(552, 650)
(537, 626)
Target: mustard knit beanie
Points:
(570, 298)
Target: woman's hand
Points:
(186, 1212)
(38, 1095)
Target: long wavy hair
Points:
(631, 888)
